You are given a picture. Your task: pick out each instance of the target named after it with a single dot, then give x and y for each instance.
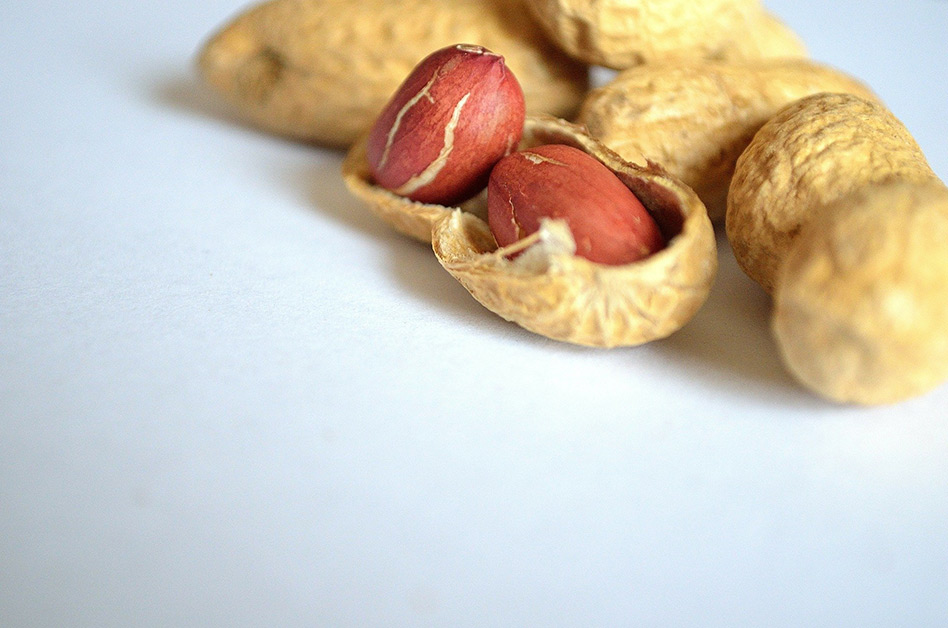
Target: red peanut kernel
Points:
(458, 112)
(608, 222)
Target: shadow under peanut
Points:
(728, 345)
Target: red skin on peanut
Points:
(609, 224)
(457, 113)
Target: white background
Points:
(231, 396)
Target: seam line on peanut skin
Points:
(423, 93)
(428, 175)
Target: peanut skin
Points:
(322, 70)
(455, 115)
(555, 181)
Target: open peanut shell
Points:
(550, 291)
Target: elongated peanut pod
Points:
(861, 305)
(697, 117)
(812, 153)
(321, 70)
(624, 33)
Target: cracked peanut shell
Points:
(552, 292)
(812, 153)
(623, 33)
(697, 117)
(322, 70)
(861, 303)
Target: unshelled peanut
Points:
(860, 304)
(811, 153)
(695, 118)
(322, 70)
(624, 33)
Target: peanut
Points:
(550, 290)
(861, 305)
(555, 181)
(322, 70)
(835, 211)
(455, 115)
(697, 117)
(812, 153)
(624, 33)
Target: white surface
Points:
(230, 396)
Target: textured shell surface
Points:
(322, 70)
(812, 153)
(697, 117)
(624, 33)
(552, 292)
(861, 303)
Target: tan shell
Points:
(861, 302)
(812, 153)
(624, 33)
(552, 292)
(697, 117)
(322, 70)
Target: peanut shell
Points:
(812, 153)
(861, 303)
(624, 33)
(697, 117)
(322, 70)
(550, 291)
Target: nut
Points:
(697, 117)
(813, 152)
(624, 33)
(608, 223)
(553, 292)
(322, 70)
(455, 115)
(860, 300)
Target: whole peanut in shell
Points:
(861, 300)
(813, 152)
(542, 285)
(458, 112)
(623, 33)
(697, 117)
(322, 70)
(555, 181)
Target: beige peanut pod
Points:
(697, 117)
(550, 291)
(812, 153)
(624, 33)
(861, 305)
(322, 70)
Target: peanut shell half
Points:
(322, 70)
(697, 117)
(624, 33)
(813, 152)
(550, 291)
(861, 305)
